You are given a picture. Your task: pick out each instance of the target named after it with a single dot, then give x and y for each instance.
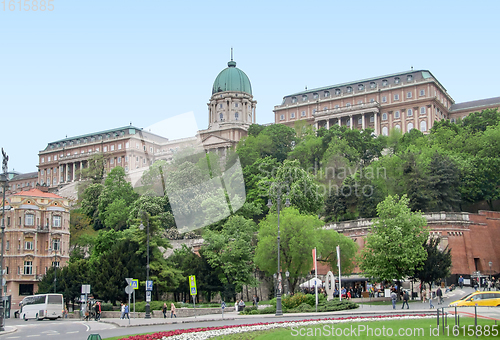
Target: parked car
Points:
(485, 299)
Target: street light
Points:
(279, 311)
(55, 267)
(148, 307)
(4, 180)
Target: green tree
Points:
(394, 247)
(95, 169)
(444, 182)
(90, 204)
(230, 252)
(299, 234)
(437, 264)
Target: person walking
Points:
(164, 310)
(172, 311)
(406, 297)
(394, 297)
(461, 282)
(429, 296)
(126, 312)
(256, 301)
(122, 309)
(98, 311)
(439, 294)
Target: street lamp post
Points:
(490, 264)
(55, 268)
(4, 181)
(148, 307)
(279, 311)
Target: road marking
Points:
(13, 337)
(72, 332)
(31, 336)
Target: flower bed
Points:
(210, 332)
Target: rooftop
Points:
(37, 193)
(495, 101)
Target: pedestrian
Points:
(256, 301)
(126, 312)
(429, 296)
(241, 305)
(172, 311)
(98, 311)
(461, 282)
(164, 310)
(406, 297)
(394, 297)
(439, 294)
(122, 309)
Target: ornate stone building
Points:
(231, 110)
(404, 101)
(36, 238)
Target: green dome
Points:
(232, 79)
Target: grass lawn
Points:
(413, 328)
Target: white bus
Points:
(42, 306)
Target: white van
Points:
(42, 306)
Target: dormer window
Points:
(327, 94)
(294, 99)
(384, 82)
(373, 85)
(396, 80)
(337, 92)
(349, 89)
(361, 87)
(315, 96)
(409, 77)
(304, 98)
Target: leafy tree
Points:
(90, 204)
(420, 195)
(255, 129)
(230, 253)
(309, 152)
(394, 247)
(479, 121)
(95, 169)
(437, 264)
(444, 182)
(299, 234)
(330, 239)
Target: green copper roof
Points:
(232, 79)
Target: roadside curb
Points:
(8, 330)
(165, 323)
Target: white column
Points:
(375, 121)
(74, 172)
(363, 121)
(316, 125)
(350, 122)
(67, 173)
(80, 168)
(340, 121)
(254, 109)
(328, 124)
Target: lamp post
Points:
(55, 268)
(148, 307)
(279, 311)
(490, 264)
(4, 181)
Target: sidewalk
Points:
(8, 329)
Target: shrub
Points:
(106, 307)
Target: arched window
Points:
(409, 112)
(337, 92)
(385, 131)
(398, 127)
(384, 116)
(396, 114)
(423, 126)
(409, 127)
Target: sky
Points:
(91, 65)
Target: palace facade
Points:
(404, 101)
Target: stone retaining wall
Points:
(181, 313)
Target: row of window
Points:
(29, 220)
(28, 268)
(235, 105)
(409, 127)
(28, 244)
(361, 87)
(409, 113)
(87, 139)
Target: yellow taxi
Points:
(485, 299)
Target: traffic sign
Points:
(149, 285)
(129, 290)
(192, 284)
(223, 305)
(134, 283)
(85, 289)
(148, 296)
(128, 279)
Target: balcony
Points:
(42, 229)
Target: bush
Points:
(292, 302)
(336, 305)
(106, 307)
(249, 309)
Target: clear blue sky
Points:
(95, 65)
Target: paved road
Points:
(76, 330)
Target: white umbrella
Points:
(311, 283)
